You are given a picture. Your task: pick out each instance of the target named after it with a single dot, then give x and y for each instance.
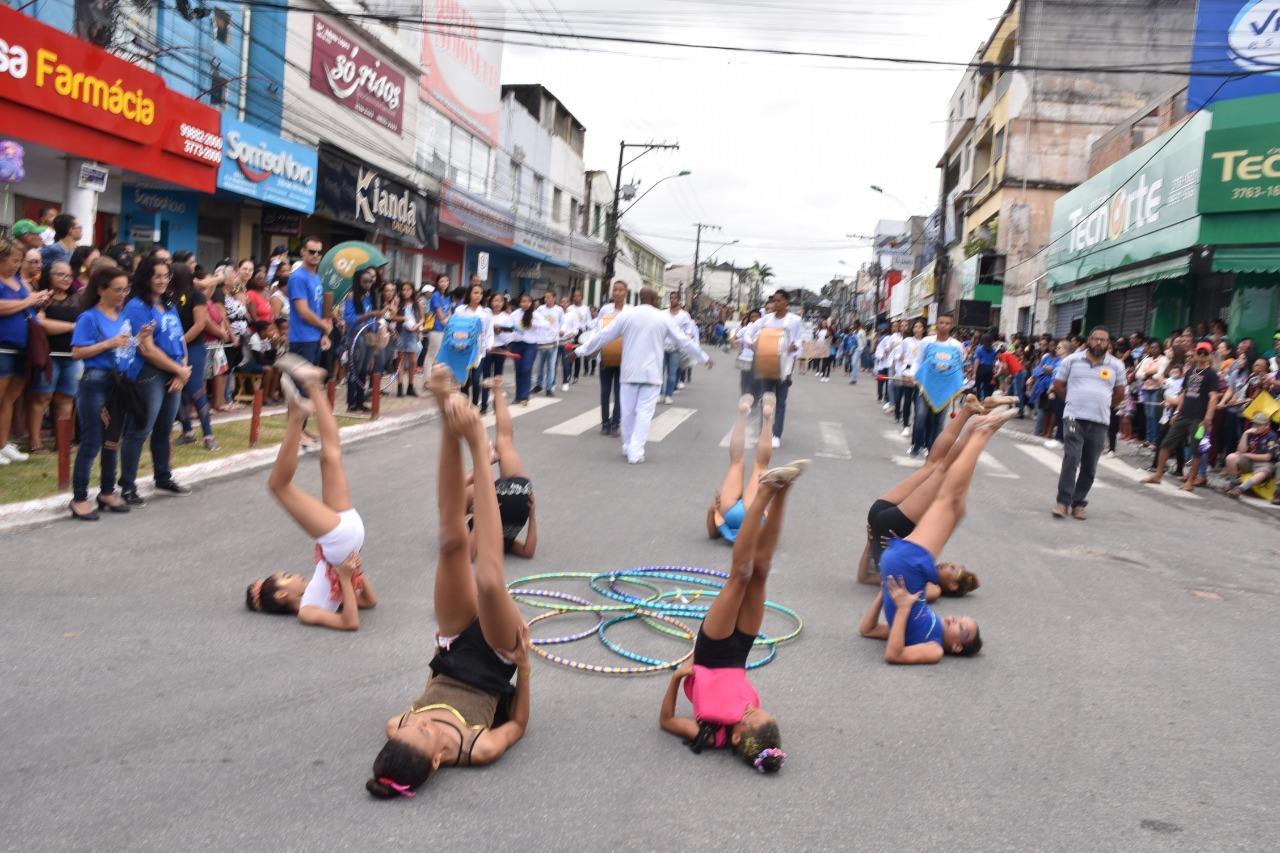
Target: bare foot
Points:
(781, 478)
(744, 403)
(462, 417)
(303, 372)
(768, 404)
(1188, 487)
(299, 407)
(1154, 479)
(494, 383)
(997, 400)
(973, 405)
(996, 419)
(441, 384)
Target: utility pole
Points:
(697, 259)
(611, 254)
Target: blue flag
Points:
(940, 375)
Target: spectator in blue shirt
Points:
(308, 327)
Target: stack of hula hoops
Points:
(661, 598)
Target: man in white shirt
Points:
(860, 344)
(779, 317)
(577, 319)
(547, 319)
(672, 362)
(883, 367)
(644, 330)
(610, 376)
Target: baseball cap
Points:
(1204, 346)
(23, 227)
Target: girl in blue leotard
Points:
(729, 505)
(915, 633)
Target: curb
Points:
(34, 513)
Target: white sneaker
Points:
(777, 442)
(4, 460)
(564, 387)
(679, 386)
(667, 400)
(906, 432)
(1052, 444)
(888, 407)
(11, 452)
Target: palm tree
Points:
(760, 274)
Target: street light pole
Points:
(697, 260)
(611, 254)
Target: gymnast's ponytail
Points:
(397, 771)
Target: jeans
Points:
(907, 397)
(91, 399)
(162, 407)
(929, 425)
(310, 350)
(491, 365)
(1082, 445)
(610, 386)
(671, 364)
(524, 368)
(1151, 403)
(544, 369)
(193, 393)
(566, 364)
(984, 383)
(897, 393)
(1019, 385)
(780, 389)
(747, 383)
(359, 363)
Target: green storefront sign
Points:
(1241, 169)
(1132, 211)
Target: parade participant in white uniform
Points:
(611, 377)
(644, 330)
(779, 317)
(577, 322)
(671, 364)
(547, 318)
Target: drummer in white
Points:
(644, 330)
(792, 329)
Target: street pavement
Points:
(1124, 698)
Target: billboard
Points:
(258, 164)
(1241, 169)
(1235, 36)
(461, 67)
(344, 69)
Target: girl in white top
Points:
(473, 306)
(495, 359)
(337, 590)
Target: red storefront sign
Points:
(354, 76)
(59, 91)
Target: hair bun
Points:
(379, 790)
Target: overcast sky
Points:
(782, 150)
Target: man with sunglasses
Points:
(309, 328)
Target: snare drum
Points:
(770, 354)
(610, 353)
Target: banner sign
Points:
(353, 191)
(259, 164)
(1234, 36)
(349, 73)
(461, 73)
(60, 91)
(1241, 169)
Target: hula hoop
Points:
(567, 638)
(598, 668)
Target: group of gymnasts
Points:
(470, 711)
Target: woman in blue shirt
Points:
(102, 341)
(915, 633)
(159, 367)
(984, 371)
(17, 305)
(360, 312)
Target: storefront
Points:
(484, 231)
(358, 201)
(1185, 230)
(123, 129)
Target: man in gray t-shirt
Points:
(1092, 382)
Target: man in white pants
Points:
(644, 330)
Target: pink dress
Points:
(720, 696)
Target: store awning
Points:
(1247, 259)
(1162, 270)
(540, 257)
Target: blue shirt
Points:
(167, 334)
(439, 302)
(986, 356)
(13, 327)
(351, 313)
(305, 285)
(915, 567)
(93, 327)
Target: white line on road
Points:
(1050, 460)
(666, 423)
(578, 425)
(834, 445)
(535, 403)
(907, 462)
(997, 468)
(1115, 466)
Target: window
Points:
(557, 199)
(459, 156)
(997, 150)
(217, 90)
(595, 221)
(221, 26)
(515, 184)
(538, 203)
(574, 223)
(481, 157)
(432, 150)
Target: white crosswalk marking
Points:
(666, 423)
(1115, 466)
(834, 445)
(995, 467)
(908, 462)
(518, 410)
(578, 425)
(1050, 460)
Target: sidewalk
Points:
(395, 414)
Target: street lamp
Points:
(679, 174)
(611, 254)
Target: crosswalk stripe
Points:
(519, 410)
(834, 445)
(1050, 460)
(576, 425)
(908, 462)
(997, 468)
(666, 423)
(1115, 466)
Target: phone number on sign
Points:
(200, 144)
(1272, 191)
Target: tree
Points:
(760, 275)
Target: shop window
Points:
(557, 199)
(217, 90)
(432, 149)
(221, 27)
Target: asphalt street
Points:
(1124, 698)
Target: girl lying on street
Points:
(515, 491)
(916, 634)
(469, 713)
(337, 590)
(726, 709)
(729, 506)
(894, 515)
